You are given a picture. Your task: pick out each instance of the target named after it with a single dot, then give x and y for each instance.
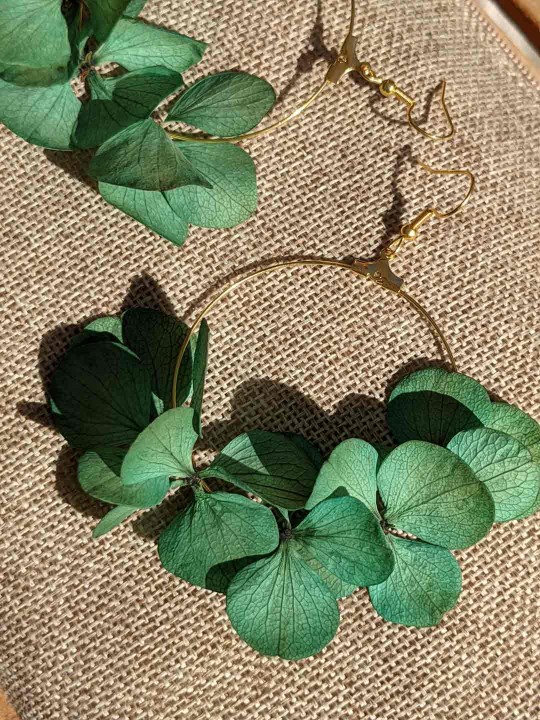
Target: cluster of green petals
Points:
(113, 383)
(498, 441)
(282, 532)
(165, 184)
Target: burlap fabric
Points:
(98, 630)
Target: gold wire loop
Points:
(370, 270)
(437, 138)
(377, 270)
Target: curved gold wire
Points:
(460, 171)
(254, 133)
(285, 264)
(194, 137)
(409, 231)
(437, 138)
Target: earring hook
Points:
(388, 88)
(461, 171)
(438, 138)
(409, 232)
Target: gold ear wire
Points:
(348, 62)
(388, 89)
(409, 231)
(439, 171)
(449, 135)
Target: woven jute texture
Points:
(98, 630)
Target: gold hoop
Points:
(357, 267)
(377, 270)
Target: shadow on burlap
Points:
(98, 630)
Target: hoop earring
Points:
(385, 518)
(346, 63)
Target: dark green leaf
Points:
(216, 528)
(105, 14)
(280, 606)
(143, 157)
(435, 405)
(33, 34)
(344, 536)
(163, 450)
(429, 492)
(228, 103)
(156, 339)
(200, 360)
(101, 395)
(44, 116)
(112, 519)
(119, 102)
(311, 450)
(90, 336)
(135, 44)
(505, 466)
(99, 476)
(513, 421)
(269, 465)
(351, 469)
(425, 583)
